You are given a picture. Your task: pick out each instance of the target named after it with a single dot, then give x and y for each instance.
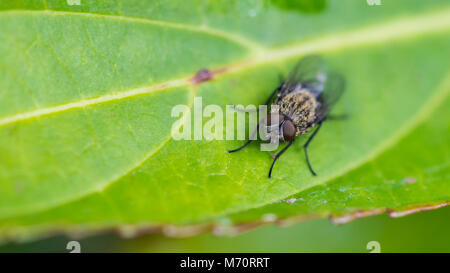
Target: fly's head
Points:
(280, 127)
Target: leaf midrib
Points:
(395, 30)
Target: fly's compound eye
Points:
(288, 130)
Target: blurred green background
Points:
(422, 232)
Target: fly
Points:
(304, 102)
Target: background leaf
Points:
(87, 92)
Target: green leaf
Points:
(87, 93)
(408, 178)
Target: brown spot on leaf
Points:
(205, 74)
(202, 76)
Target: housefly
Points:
(303, 102)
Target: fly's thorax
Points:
(300, 106)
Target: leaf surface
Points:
(87, 93)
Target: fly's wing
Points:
(309, 72)
(333, 88)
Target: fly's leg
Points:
(278, 155)
(257, 126)
(250, 140)
(305, 147)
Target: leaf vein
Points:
(193, 28)
(397, 30)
